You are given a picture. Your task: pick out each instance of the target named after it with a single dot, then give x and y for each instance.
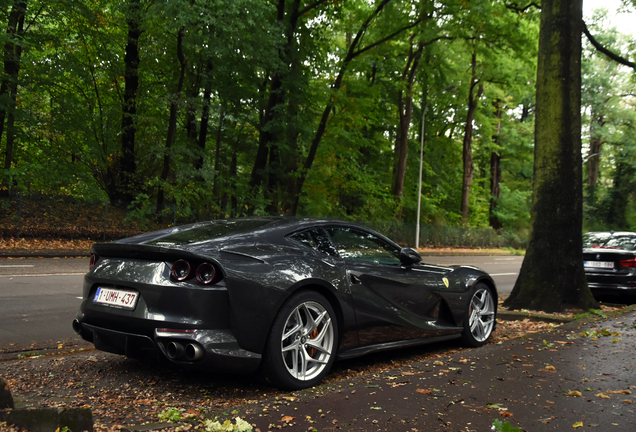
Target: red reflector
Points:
(628, 263)
(93, 261)
(167, 330)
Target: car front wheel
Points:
(479, 320)
(303, 341)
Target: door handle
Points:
(354, 279)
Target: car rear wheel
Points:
(479, 319)
(302, 344)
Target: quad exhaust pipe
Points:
(77, 327)
(190, 352)
(175, 350)
(193, 352)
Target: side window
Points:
(360, 246)
(316, 239)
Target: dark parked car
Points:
(610, 263)
(283, 294)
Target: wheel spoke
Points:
(292, 331)
(481, 316)
(318, 346)
(292, 346)
(303, 360)
(307, 341)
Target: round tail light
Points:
(206, 273)
(180, 270)
(93, 261)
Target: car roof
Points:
(611, 233)
(274, 229)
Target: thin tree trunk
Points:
(594, 158)
(205, 120)
(405, 110)
(172, 121)
(9, 86)
(122, 188)
(352, 53)
(217, 151)
(552, 275)
(233, 175)
(269, 132)
(495, 170)
(467, 153)
(620, 194)
(191, 120)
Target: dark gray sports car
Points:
(286, 295)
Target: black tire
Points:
(302, 343)
(479, 317)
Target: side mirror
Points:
(409, 256)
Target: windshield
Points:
(610, 241)
(210, 231)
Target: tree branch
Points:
(310, 7)
(606, 51)
(522, 9)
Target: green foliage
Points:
(610, 142)
(589, 313)
(171, 414)
(239, 425)
(500, 426)
(140, 211)
(243, 58)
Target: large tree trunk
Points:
(405, 110)
(172, 121)
(467, 153)
(9, 86)
(122, 173)
(495, 170)
(552, 274)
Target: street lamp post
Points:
(419, 185)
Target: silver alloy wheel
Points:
(481, 315)
(307, 342)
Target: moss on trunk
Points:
(552, 274)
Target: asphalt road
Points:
(39, 297)
(38, 300)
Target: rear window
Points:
(210, 231)
(610, 241)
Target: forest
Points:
(226, 108)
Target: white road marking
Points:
(43, 274)
(79, 298)
(15, 266)
(506, 259)
(502, 274)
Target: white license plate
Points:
(599, 264)
(115, 297)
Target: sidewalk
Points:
(579, 377)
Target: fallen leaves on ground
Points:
(36, 245)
